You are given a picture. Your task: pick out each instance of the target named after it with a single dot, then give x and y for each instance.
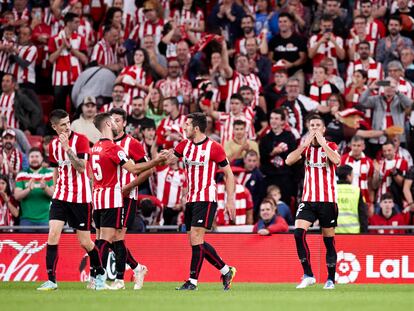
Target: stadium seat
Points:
(35, 141)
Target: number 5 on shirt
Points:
(96, 167)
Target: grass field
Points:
(210, 296)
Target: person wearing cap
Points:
(396, 71)
(11, 158)
(84, 124)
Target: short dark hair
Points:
(118, 84)
(35, 149)
(147, 124)
(388, 142)
(100, 119)
(119, 111)
(239, 122)
(198, 119)
(363, 73)
(357, 138)
(57, 115)
(69, 17)
(361, 17)
(315, 116)
(364, 42)
(9, 28)
(245, 88)
(395, 17)
(288, 15)
(386, 196)
(173, 100)
(137, 97)
(251, 152)
(365, 1)
(237, 96)
(327, 18)
(343, 171)
(250, 17)
(280, 112)
(13, 77)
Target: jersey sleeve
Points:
(218, 155)
(83, 150)
(333, 146)
(118, 155)
(179, 149)
(52, 45)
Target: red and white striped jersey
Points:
(362, 171)
(4, 56)
(376, 29)
(25, 75)
(320, 177)
(85, 30)
(240, 44)
(134, 151)
(353, 42)
(373, 69)
(242, 201)
(139, 75)
(23, 16)
(386, 169)
(233, 86)
(226, 121)
(201, 162)
(326, 49)
(67, 67)
(125, 105)
(147, 28)
(170, 185)
(106, 161)
(104, 54)
(169, 125)
(173, 87)
(243, 177)
(7, 109)
(71, 186)
(6, 217)
(11, 160)
(186, 17)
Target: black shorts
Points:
(77, 215)
(128, 212)
(108, 218)
(325, 212)
(199, 214)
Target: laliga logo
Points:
(19, 267)
(348, 268)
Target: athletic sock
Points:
(120, 258)
(330, 257)
(104, 252)
(196, 261)
(51, 261)
(212, 256)
(95, 260)
(130, 260)
(303, 250)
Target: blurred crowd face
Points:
(174, 69)
(357, 147)
(247, 25)
(118, 93)
(319, 74)
(236, 106)
(292, 89)
(148, 43)
(242, 65)
(20, 5)
(276, 122)
(267, 211)
(118, 4)
(151, 15)
(248, 96)
(138, 107)
(117, 19)
(7, 84)
(35, 160)
(359, 79)
(402, 4)
(394, 27)
(77, 8)
(407, 56)
(3, 186)
(155, 96)
(285, 24)
(395, 73)
(239, 132)
(388, 152)
(149, 135)
(316, 125)
(183, 51)
(112, 36)
(139, 57)
(390, 91)
(168, 107)
(332, 7)
(251, 161)
(24, 35)
(215, 59)
(74, 24)
(326, 26)
(89, 110)
(360, 25)
(363, 51)
(280, 79)
(8, 142)
(386, 207)
(366, 9)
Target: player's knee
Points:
(298, 233)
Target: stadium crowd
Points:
(256, 68)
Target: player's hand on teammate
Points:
(163, 157)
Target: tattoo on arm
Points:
(78, 164)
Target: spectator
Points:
(150, 209)
(6, 47)
(352, 212)
(9, 210)
(227, 14)
(259, 64)
(189, 16)
(176, 86)
(388, 216)
(402, 152)
(34, 189)
(359, 33)
(21, 139)
(290, 48)
(388, 109)
(283, 209)
(148, 136)
(171, 186)
(321, 88)
(247, 26)
(154, 104)
(407, 60)
(396, 71)
(390, 47)
(242, 201)
(274, 148)
(11, 158)
(333, 75)
(157, 61)
(276, 90)
(252, 107)
(20, 111)
(120, 99)
(67, 54)
(354, 91)
(170, 130)
(269, 221)
(389, 173)
(301, 14)
(183, 57)
(365, 62)
(376, 28)
(84, 124)
(137, 116)
(326, 44)
(237, 147)
(406, 13)
(362, 170)
(252, 178)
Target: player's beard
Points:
(115, 132)
(35, 167)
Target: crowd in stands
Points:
(256, 68)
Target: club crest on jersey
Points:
(122, 156)
(203, 153)
(323, 154)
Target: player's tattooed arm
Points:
(78, 164)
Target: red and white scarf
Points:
(320, 94)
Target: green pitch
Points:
(242, 297)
